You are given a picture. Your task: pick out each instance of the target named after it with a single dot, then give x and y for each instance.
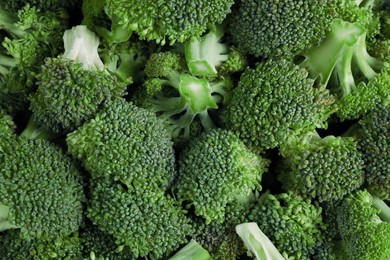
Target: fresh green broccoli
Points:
(215, 169)
(278, 28)
(125, 143)
(342, 62)
(27, 38)
(7, 127)
(325, 169)
(274, 101)
(258, 244)
(293, 224)
(148, 222)
(178, 97)
(40, 188)
(374, 142)
(220, 238)
(45, 5)
(99, 245)
(364, 225)
(163, 21)
(72, 87)
(192, 251)
(12, 246)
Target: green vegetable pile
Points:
(195, 129)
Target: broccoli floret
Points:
(162, 21)
(27, 37)
(364, 225)
(293, 224)
(126, 143)
(148, 222)
(192, 251)
(373, 142)
(258, 244)
(325, 169)
(274, 101)
(341, 62)
(12, 246)
(217, 168)
(45, 5)
(40, 191)
(99, 245)
(72, 87)
(278, 28)
(178, 97)
(203, 55)
(236, 62)
(7, 127)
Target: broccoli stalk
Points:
(192, 251)
(257, 243)
(205, 54)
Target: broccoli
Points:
(12, 246)
(27, 37)
(217, 168)
(73, 86)
(45, 5)
(374, 142)
(163, 21)
(125, 143)
(178, 97)
(278, 28)
(150, 223)
(342, 62)
(325, 169)
(364, 225)
(192, 251)
(99, 245)
(293, 224)
(257, 243)
(40, 188)
(274, 101)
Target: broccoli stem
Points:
(35, 131)
(4, 214)
(192, 251)
(384, 213)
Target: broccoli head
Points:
(126, 143)
(325, 169)
(40, 189)
(274, 101)
(71, 88)
(148, 222)
(293, 224)
(215, 169)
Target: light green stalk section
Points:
(192, 251)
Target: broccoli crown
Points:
(236, 62)
(373, 142)
(126, 143)
(173, 21)
(40, 189)
(274, 101)
(12, 246)
(148, 222)
(278, 28)
(325, 169)
(69, 95)
(97, 244)
(292, 223)
(363, 222)
(163, 64)
(216, 169)
(45, 5)
(7, 127)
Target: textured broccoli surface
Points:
(72, 87)
(148, 222)
(293, 224)
(131, 137)
(40, 189)
(217, 168)
(325, 169)
(274, 101)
